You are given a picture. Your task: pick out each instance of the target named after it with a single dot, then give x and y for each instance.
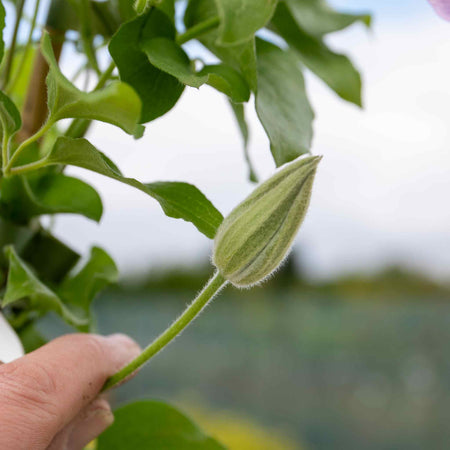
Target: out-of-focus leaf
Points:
(156, 425)
(169, 57)
(116, 104)
(241, 57)
(53, 193)
(239, 114)
(282, 104)
(241, 19)
(335, 69)
(79, 290)
(22, 284)
(157, 90)
(178, 200)
(31, 338)
(317, 18)
(13, 234)
(9, 116)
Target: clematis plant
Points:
(140, 56)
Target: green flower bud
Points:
(255, 237)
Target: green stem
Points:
(19, 70)
(26, 143)
(12, 48)
(198, 30)
(28, 167)
(215, 284)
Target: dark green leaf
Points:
(282, 104)
(117, 103)
(169, 57)
(317, 18)
(2, 26)
(23, 284)
(154, 425)
(335, 69)
(13, 234)
(79, 291)
(178, 200)
(158, 91)
(9, 116)
(23, 197)
(31, 338)
(241, 57)
(241, 19)
(239, 114)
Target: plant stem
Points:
(10, 87)
(198, 30)
(26, 143)
(28, 167)
(12, 48)
(214, 285)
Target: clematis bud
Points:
(442, 7)
(255, 237)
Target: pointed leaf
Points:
(178, 200)
(23, 284)
(116, 104)
(157, 90)
(282, 104)
(79, 290)
(335, 69)
(9, 116)
(151, 424)
(317, 18)
(242, 56)
(53, 193)
(241, 19)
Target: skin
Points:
(49, 399)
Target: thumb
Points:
(42, 392)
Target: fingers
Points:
(43, 391)
(89, 424)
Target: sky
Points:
(381, 192)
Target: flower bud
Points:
(442, 7)
(255, 237)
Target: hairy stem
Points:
(212, 288)
(198, 30)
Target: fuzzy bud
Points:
(255, 237)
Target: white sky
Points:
(381, 194)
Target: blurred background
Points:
(347, 347)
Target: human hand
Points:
(49, 399)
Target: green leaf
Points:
(116, 104)
(282, 104)
(241, 19)
(317, 18)
(157, 90)
(239, 114)
(79, 290)
(9, 116)
(155, 425)
(52, 193)
(242, 56)
(169, 57)
(336, 70)
(23, 284)
(178, 200)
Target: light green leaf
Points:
(335, 69)
(239, 114)
(156, 425)
(317, 18)
(157, 90)
(9, 116)
(53, 193)
(79, 290)
(282, 104)
(23, 284)
(178, 200)
(242, 56)
(241, 19)
(116, 104)
(169, 57)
